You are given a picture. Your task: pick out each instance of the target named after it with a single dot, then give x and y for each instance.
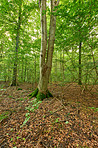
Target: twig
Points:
(61, 103)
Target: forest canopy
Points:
(75, 49)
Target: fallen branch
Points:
(62, 104)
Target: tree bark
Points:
(80, 70)
(14, 79)
(63, 67)
(46, 54)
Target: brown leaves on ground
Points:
(64, 121)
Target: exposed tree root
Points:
(40, 95)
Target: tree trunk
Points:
(63, 65)
(56, 66)
(14, 79)
(80, 70)
(22, 70)
(25, 71)
(46, 54)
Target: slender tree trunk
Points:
(22, 70)
(25, 71)
(8, 78)
(14, 79)
(56, 67)
(63, 66)
(35, 69)
(43, 82)
(60, 68)
(1, 51)
(5, 73)
(80, 70)
(94, 62)
(46, 54)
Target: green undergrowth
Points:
(34, 104)
(19, 89)
(21, 99)
(94, 109)
(4, 115)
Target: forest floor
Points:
(68, 120)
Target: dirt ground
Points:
(68, 120)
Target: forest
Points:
(49, 74)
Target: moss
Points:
(30, 94)
(48, 94)
(34, 93)
(40, 96)
(19, 89)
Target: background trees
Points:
(76, 25)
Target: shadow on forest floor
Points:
(67, 120)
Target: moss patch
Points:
(34, 93)
(48, 95)
(40, 95)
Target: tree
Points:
(46, 54)
(80, 70)
(76, 25)
(11, 63)
(14, 80)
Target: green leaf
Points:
(66, 122)
(57, 120)
(24, 139)
(18, 137)
(26, 120)
(27, 114)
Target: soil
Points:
(68, 120)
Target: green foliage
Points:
(24, 139)
(57, 120)
(33, 107)
(4, 115)
(66, 122)
(93, 108)
(17, 137)
(19, 89)
(21, 99)
(11, 139)
(26, 119)
(76, 21)
(10, 96)
(51, 112)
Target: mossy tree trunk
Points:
(46, 52)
